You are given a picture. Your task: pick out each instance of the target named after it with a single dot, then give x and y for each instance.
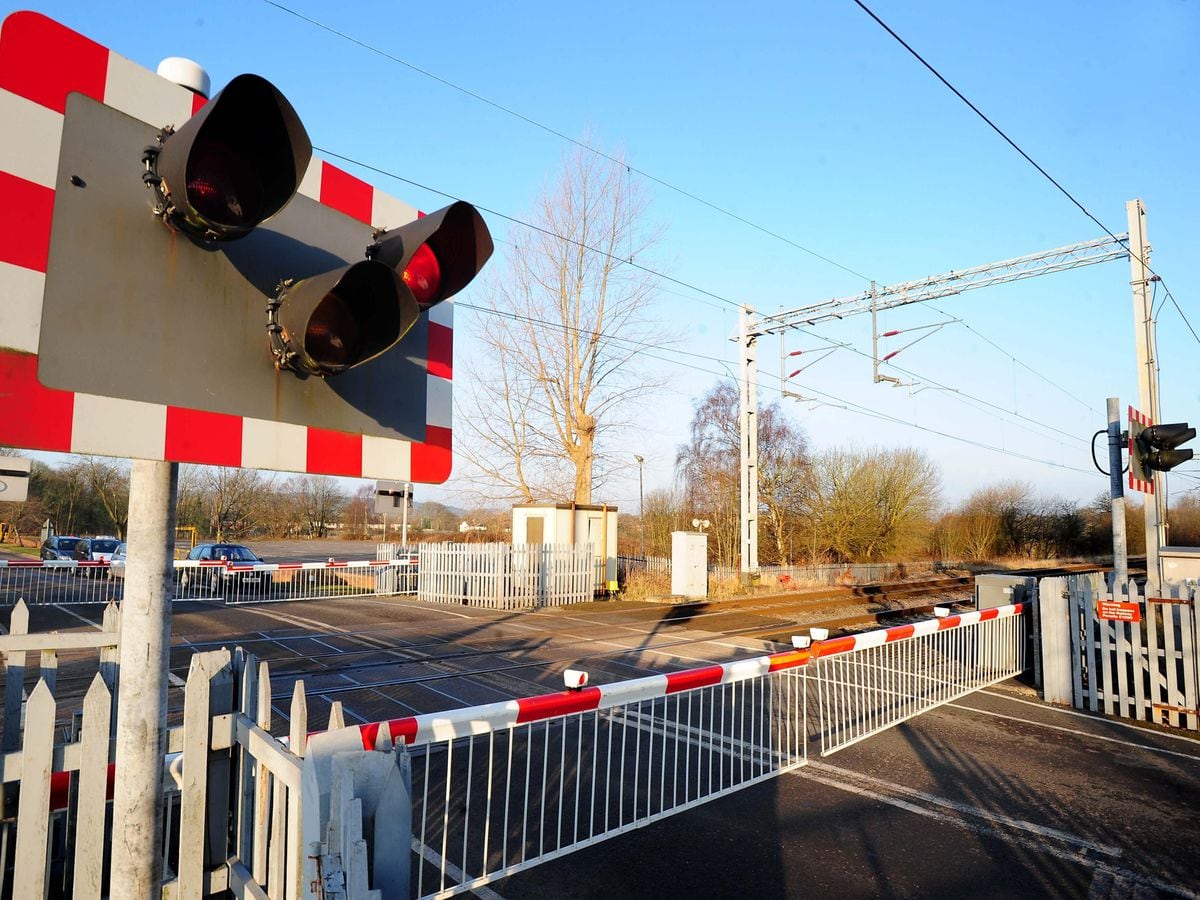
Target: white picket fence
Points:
(56, 843)
(1146, 670)
(506, 576)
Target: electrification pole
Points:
(1147, 369)
(748, 429)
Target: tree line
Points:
(90, 495)
(869, 504)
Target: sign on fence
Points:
(1118, 612)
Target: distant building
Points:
(571, 523)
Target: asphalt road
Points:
(996, 795)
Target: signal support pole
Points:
(1116, 491)
(1147, 369)
(748, 428)
(142, 691)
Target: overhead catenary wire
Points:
(647, 350)
(657, 274)
(1008, 140)
(529, 120)
(600, 153)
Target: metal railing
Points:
(503, 787)
(275, 582)
(68, 581)
(869, 682)
(500, 788)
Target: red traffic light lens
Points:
(423, 275)
(223, 186)
(333, 338)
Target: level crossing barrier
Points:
(869, 682)
(503, 787)
(69, 581)
(494, 789)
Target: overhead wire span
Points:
(1008, 140)
(583, 145)
(837, 402)
(529, 120)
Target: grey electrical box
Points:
(1000, 590)
(689, 563)
(1180, 564)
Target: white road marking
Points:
(1077, 850)
(1090, 716)
(966, 809)
(434, 859)
(1077, 731)
(97, 625)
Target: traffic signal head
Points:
(439, 254)
(334, 321)
(232, 165)
(177, 313)
(1158, 445)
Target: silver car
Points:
(116, 563)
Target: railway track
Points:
(344, 670)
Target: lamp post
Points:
(641, 503)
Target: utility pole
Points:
(142, 692)
(641, 461)
(748, 430)
(1116, 492)
(1147, 369)
(408, 492)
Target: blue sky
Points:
(810, 121)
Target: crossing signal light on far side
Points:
(1155, 448)
(1158, 446)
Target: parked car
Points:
(116, 563)
(218, 577)
(59, 546)
(97, 549)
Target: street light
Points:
(641, 461)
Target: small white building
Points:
(571, 523)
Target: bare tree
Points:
(865, 505)
(708, 467)
(234, 499)
(557, 377)
(321, 500)
(109, 482)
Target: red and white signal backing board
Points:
(41, 62)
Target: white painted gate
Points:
(1145, 670)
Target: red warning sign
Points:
(1118, 612)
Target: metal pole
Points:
(874, 336)
(404, 526)
(748, 428)
(1116, 491)
(1147, 369)
(641, 503)
(142, 694)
